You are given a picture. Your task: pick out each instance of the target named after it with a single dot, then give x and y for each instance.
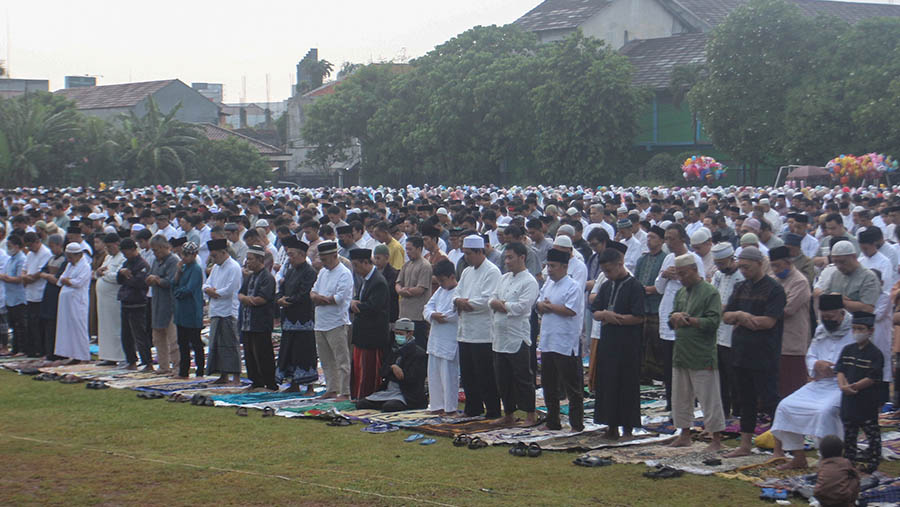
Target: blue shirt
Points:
(15, 292)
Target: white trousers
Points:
(443, 383)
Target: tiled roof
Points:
(560, 14)
(217, 133)
(113, 96)
(654, 59)
(715, 11)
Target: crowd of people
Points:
(756, 302)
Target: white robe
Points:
(72, 339)
(668, 289)
(882, 336)
(109, 315)
(815, 408)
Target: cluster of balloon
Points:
(850, 168)
(702, 168)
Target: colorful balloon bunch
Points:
(702, 168)
(850, 168)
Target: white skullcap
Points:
(749, 239)
(137, 227)
(74, 248)
(565, 230)
(473, 241)
(96, 216)
(843, 248)
(700, 236)
(621, 209)
(262, 222)
(679, 215)
(685, 260)
(442, 211)
(563, 241)
(571, 211)
(503, 221)
(722, 250)
(109, 229)
(764, 201)
(665, 224)
(857, 209)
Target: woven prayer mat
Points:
(768, 470)
(595, 439)
(315, 410)
(688, 459)
(252, 398)
(886, 493)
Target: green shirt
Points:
(695, 347)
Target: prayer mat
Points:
(889, 420)
(251, 398)
(177, 386)
(886, 493)
(595, 439)
(890, 445)
(315, 410)
(768, 470)
(792, 484)
(687, 459)
(415, 418)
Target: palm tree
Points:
(318, 71)
(156, 146)
(33, 129)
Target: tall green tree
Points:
(98, 154)
(156, 145)
(753, 60)
(37, 137)
(586, 111)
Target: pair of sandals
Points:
(46, 377)
(70, 379)
(267, 412)
(663, 472)
(150, 395)
(418, 437)
(96, 385)
(202, 401)
(339, 420)
(178, 398)
(593, 461)
(470, 442)
(521, 449)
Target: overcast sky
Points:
(224, 40)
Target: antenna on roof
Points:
(267, 91)
(243, 89)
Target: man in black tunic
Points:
(619, 306)
(297, 355)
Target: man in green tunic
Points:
(695, 317)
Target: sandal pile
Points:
(96, 385)
(521, 449)
(663, 472)
(592, 461)
(150, 395)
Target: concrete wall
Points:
(12, 87)
(642, 19)
(195, 108)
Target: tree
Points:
(156, 146)
(318, 70)
(37, 137)
(753, 59)
(586, 111)
(97, 156)
(849, 104)
(232, 162)
(348, 68)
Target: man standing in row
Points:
(297, 358)
(370, 333)
(257, 295)
(332, 294)
(222, 288)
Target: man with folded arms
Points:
(332, 294)
(257, 295)
(695, 318)
(222, 288)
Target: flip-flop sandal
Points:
(70, 379)
(477, 443)
(241, 411)
(198, 399)
(413, 438)
(427, 441)
(665, 472)
(461, 440)
(519, 449)
(268, 412)
(534, 450)
(208, 402)
(593, 461)
(100, 385)
(339, 421)
(712, 462)
(173, 397)
(29, 371)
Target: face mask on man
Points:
(783, 274)
(831, 325)
(400, 339)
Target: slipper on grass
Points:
(413, 438)
(663, 472)
(534, 450)
(380, 428)
(477, 443)
(592, 461)
(339, 421)
(520, 449)
(461, 440)
(241, 411)
(427, 441)
(268, 412)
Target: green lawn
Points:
(64, 445)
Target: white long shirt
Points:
(226, 279)
(337, 283)
(561, 334)
(518, 291)
(882, 264)
(668, 288)
(477, 285)
(34, 262)
(442, 335)
(725, 285)
(809, 246)
(633, 253)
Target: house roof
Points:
(714, 12)
(113, 96)
(560, 14)
(267, 136)
(217, 133)
(654, 59)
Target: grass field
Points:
(67, 445)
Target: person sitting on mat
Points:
(403, 374)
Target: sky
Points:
(226, 41)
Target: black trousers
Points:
(557, 369)
(4, 328)
(420, 332)
(753, 389)
(135, 335)
(871, 456)
(727, 383)
(48, 336)
(189, 338)
(476, 367)
(532, 352)
(665, 349)
(384, 406)
(18, 321)
(33, 318)
(260, 358)
(515, 383)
